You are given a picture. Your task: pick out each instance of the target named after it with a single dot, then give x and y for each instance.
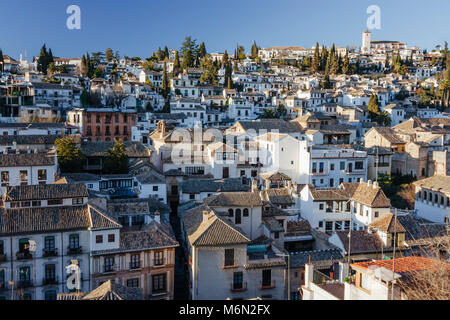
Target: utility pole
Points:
(288, 271)
(393, 257)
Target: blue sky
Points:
(139, 27)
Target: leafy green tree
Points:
(109, 55)
(189, 49)
(44, 59)
(240, 53)
(116, 161)
(83, 98)
(70, 156)
(209, 71)
(269, 113)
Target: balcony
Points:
(24, 255)
(265, 285)
(74, 251)
(135, 265)
(238, 287)
(319, 173)
(23, 284)
(49, 281)
(50, 252)
(3, 257)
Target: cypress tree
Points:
(315, 66)
(2, 67)
(166, 52)
(165, 82)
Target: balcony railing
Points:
(264, 285)
(238, 286)
(22, 284)
(23, 255)
(49, 281)
(50, 252)
(74, 251)
(3, 257)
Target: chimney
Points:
(343, 271)
(375, 185)
(309, 274)
(369, 182)
(158, 216)
(205, 216)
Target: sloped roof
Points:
(26, 159)
(216, 232)
(110, 290)
(279, 196)
(405, 265)
(100, 149)
(388, 223)
(101, 221)
(389, 134)
(234, 199)
(368, 195)
(361, 241)
(46, 191)
(213, 185)
(43, 220)
(436, 183)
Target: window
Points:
(338, 225)
(135, 261)
(111, 237)
(320, 206)
(192, 196)
(376, 214)
(237, 216)
(346, 225)
(245, 212)
(266, 278)
(5, 178)
(329, 226)
(314, 167)
(125, 130)
(359, 165)
(42, 175)
(230, 212)
(50, 273)
(332, 167)
(155, 188)
(99, 239)
(158, 258)
(276, 235)
(229, 258)
(54, 202)
(159, 283)
(77, 201)
(23, 245)
(238, 278)
(23, 177)
(74, 241)
(2, 248)
(109, 264)
(342, 165)
(49, 244)
(321, 224)
(133, 283)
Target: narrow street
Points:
(181, 290)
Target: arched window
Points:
(245, 212)
(230, 212)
